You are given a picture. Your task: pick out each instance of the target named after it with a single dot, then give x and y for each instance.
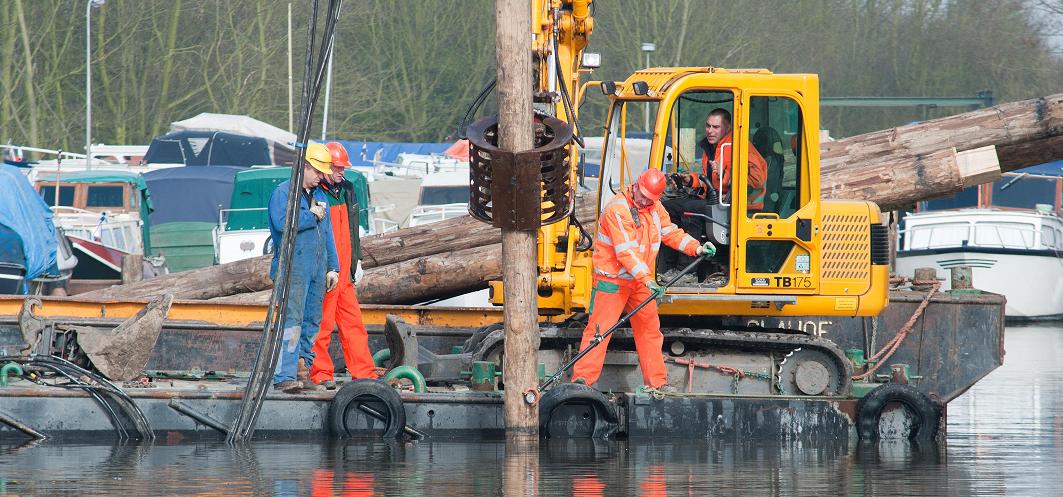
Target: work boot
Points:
(687, 280)
(666, 388)
(289, 386)
(329, 384)
(667, 276)
(302, 373)
(310, 386)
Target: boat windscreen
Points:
(968, 197)
(1024, 193)
(439, 195)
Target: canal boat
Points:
(104, 215)
(1009, 232)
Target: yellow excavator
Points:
(786, 252)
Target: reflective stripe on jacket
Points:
(626, 249)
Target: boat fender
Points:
(869, 411)
(373, 394)
(606, 422)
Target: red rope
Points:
(884, 354)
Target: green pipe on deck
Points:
(410, 373)
(381, 356)
(12, 366)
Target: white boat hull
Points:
(1032, 281)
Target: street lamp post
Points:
(89, 5)
(647, 48)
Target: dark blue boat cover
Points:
(190, 193)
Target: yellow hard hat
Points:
(318, 155)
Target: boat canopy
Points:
(170, 187)
(281, 141)
(24, 213)
(253, 187)
(208, 148)
(362, 154)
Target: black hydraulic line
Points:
(18, 425)
(473, 107)
(600, 337)
(269, 351)
(578, 135)
(104, 393)
(203, 419)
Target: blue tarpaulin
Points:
(362, 153)
(23, 211)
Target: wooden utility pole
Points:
(515, 133)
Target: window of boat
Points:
(104, 196)
(937, 235)
(1005, 235)
(968, 197)
(66, 195)
(1048, 237)
(439, 195)
(1023, 192)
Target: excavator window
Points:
(774, 175)
(626, 151)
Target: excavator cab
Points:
(782, 251)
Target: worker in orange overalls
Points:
(716, 150)
(341, 306)
(630, 231)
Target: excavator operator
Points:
(716, 150)
(631, 228)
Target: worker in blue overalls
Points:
(315, 268)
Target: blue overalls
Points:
(313, 255)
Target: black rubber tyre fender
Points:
(473, 343)
(574, 393)
(869, 411)
(365, 390)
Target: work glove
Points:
(358, 272)
(332, 278)
(318, 210)
(680, 179)
(656, 290)
(707, 248)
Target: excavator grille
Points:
(846, 247)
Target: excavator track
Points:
(802, 364)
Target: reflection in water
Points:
(1004, 438)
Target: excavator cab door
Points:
(776, 227)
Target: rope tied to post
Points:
(891, 346)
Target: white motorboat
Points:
(1011, 236)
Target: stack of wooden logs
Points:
(892, 168)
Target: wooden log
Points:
(902, 165)
(252, 275)
(426, 278)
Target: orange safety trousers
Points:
(610, 299)
(341, 308)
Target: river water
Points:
(1005, 437)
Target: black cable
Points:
(578, 135)
(473, 107)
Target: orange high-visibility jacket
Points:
(758, 172)
(628, 239)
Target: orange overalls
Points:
(625, 251)
(758, 173)
(341, 304)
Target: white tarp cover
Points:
(244, 125)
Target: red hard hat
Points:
(339, 154)
(652, 183)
